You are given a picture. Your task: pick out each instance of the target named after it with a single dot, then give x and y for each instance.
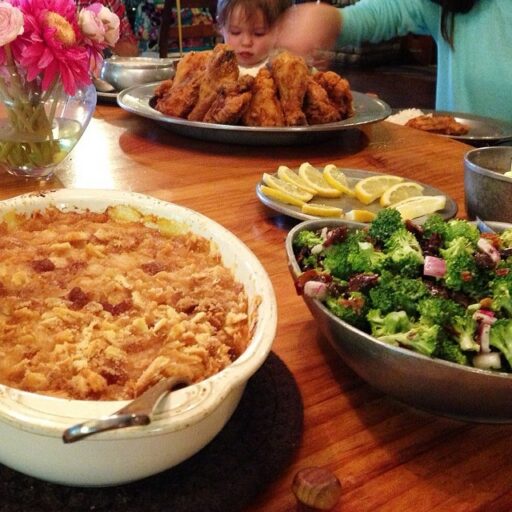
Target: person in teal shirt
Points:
(473, 37)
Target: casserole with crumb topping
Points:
(102, 305)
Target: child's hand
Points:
(307, 28)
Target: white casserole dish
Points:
(31, 425)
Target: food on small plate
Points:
(447, 125)
(435, 123)
(442, 289)
(100, 306)
(299, 188)
(208, 87)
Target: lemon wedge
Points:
(279, 195)
(286, 174)
(337, 179)
(287, 188)
(369, 189)
(314, 178)
(321, 210)
(399, 192)
(360, 215)
(417, 206)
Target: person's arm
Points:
(305, 28)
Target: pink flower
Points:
(51, 46)
(11, 23)
(111, 23)
(90, 23)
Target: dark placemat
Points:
(256, 444)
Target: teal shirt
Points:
(475, 77)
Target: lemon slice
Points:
(417, 206)
(360, 215)
(321, 210)
(287, 188)
(337, 179)
(369, 189)
(314, 178)
(286, 174)
(399, 192)
(274, 193)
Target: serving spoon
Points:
(102, 85)
(136, 413)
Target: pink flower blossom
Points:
(90, 23)
(51, 44)
(11, 23)
(111, 23)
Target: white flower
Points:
(99, 24)
(91, 25)
(111, 24)
(11, 23)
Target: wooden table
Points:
(387, 455)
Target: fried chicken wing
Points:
(290, 73)
(318, 107)
(178, 97)
(231, 102)
(264, 108)
(221, 68)
(446, 125)
(338, 90)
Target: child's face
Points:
(250, 37)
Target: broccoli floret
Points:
(420, 337)
(387, 221)
(404, 254)
(464, 330)
(380, 325)
(506, 238)
(501, 338)
(307, 239)
(351, 308)
(462, 272)
(364, 258)
(434, 224)
(353, 256)
(439, 310)
(501, 293)
(456, 228)
(450, 350)
(397, 293)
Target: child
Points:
(248, 26)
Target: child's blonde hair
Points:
(271, 9)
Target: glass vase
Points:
(38, 129)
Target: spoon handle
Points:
(136, 413)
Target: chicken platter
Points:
(209, 87)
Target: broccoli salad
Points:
(442, 289)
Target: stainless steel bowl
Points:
(435, 385)
(487, 191)
(123, 72)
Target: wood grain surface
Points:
(387, 455)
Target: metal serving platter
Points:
(482, 130)
(107, 97)
(137, 99)
(348, 203)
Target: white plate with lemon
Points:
(311, 192)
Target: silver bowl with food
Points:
(104, 293)
(488, 183)
(395, 329)
(124, 72)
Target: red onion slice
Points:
(433, 266)
(489, 249)
(490, 361)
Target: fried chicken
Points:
(231, 102)
(338, 90)
(318, 107)
(290, 73)
(264, 109)
(178, 96)
(446, 125)
(221, 68)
